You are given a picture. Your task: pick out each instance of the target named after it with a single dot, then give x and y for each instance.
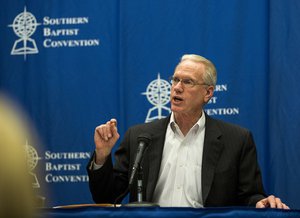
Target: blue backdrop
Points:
(73, 65)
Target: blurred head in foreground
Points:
(16, 194)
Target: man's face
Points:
(186, 99)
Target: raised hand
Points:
(105, 137)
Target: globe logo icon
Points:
(32, 157)
(158, 94)
(24, 25)
(32, 161)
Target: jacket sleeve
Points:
(110, 181)
(250, 188)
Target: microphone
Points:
(144, 140)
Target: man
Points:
(193, 159)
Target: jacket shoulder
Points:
(225, 127)
(152, 126)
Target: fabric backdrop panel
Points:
(72, 65)
(66, 89)
(284, 121)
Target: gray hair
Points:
(210, 76)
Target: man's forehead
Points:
(190, 66)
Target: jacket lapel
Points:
(211, 152)
(155, 155)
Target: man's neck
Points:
(186, 121)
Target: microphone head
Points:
(144, 137)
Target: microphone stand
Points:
(140, 202)
(140, 185)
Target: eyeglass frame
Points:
(185, 82)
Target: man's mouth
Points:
(177, 99)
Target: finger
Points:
(285, 207)
(278, 202)
(272, 201)
(100, 131)
(115, 133)
(113, 125)
(260, 204)
(98, 135)
(107, 131)
(114, 128)
(113, 121)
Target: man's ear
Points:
(209, 93)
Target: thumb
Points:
(114, 128)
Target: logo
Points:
(57, 33)
(158, 94)
(24, 26)
(32, 158)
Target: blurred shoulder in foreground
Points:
(16, 193)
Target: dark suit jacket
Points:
(230, 171)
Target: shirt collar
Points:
(199, 125)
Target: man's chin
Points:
(176, 109)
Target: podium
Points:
(108, 210)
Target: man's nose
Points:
(178, 87)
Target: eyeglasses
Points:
(185, 82)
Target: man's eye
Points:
(188, 81)
(176, 80)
